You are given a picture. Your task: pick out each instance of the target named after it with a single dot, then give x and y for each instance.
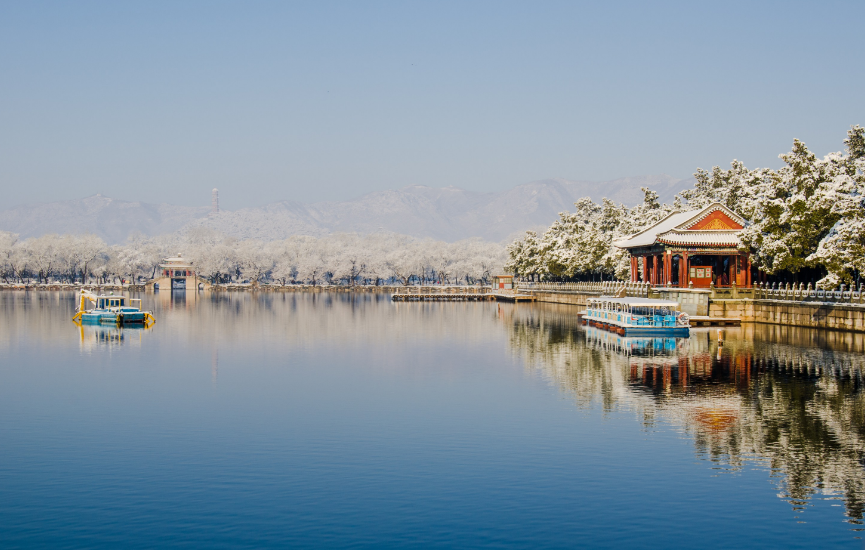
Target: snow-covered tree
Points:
(7, 249)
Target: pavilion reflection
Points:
(764, 396)
(177, 299)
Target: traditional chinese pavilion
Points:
(700, 247)
(176, 271)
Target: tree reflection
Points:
(788, 399)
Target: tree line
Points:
(806, 219)
(348, 259)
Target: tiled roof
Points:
(648, 236)
(674, 230)
(708, 238)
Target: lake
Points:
(244, 420)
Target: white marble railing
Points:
(606, 288)
(803, 293)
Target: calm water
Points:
(302, 420)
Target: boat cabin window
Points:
(100, 304)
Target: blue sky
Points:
(162, 101)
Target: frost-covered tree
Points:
(43, 255)
(7, 249)
(82, 251)
(582, 243)
(842, 250)
(524, 257)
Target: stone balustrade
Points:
(605, 288)
(803, 293)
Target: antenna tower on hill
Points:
(214, 201)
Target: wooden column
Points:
(645, 269)
(654, 269)
(748, 282)
(663, 280)
(732, 269)
(668, 267)
(635, 275)
(683, 282)
(657, 269)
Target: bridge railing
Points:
(605, 288)
(412, 289)
(762, 291)
(803, 293)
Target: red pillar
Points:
(733, 272)
(668, 267)
(686, 273)
(645, 269)
(634, 274)
(663, 280)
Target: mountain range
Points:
(441, 213)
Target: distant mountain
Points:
(442, 213)
(112, 219)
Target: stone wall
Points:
(822, 315)
(795, 314)
(563, 297)
(692, 302)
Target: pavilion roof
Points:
(684, 228)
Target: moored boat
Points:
(637, 316)
(111, 309)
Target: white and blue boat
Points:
(637, 316)
(111, 309)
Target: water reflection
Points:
(284, 397)
(109, 336)
(789, 400)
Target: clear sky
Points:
(162, 101)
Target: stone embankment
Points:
(247, 287)
(795, 306)
(96, 288)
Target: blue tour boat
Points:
(111, 309)
(637, 316)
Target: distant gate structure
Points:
(177, 273)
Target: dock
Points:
(705, 321)
(442, 297)
(505, 297)
(462, 297)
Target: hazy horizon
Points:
(328, 101)
(449, 214)
(205, 198)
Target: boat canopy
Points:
(631, 304)
(103, 302)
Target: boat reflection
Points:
(109, 336)
(763, 397)
(660, 349)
